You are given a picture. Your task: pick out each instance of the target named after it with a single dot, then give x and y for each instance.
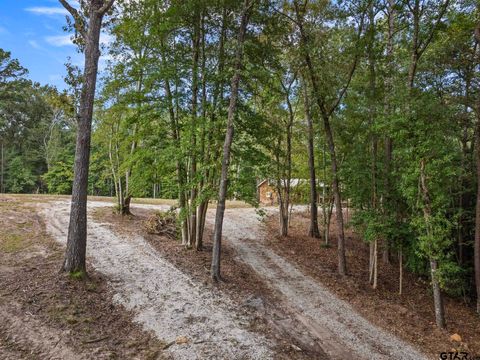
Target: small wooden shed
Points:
(267, 194)
(267, 191)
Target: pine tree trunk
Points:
(222, 194)
(77, 230)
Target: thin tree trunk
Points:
(427, 213)
(179, 167)
(342, 263)
(326, 113)
(326, 215)
(371, 262)
(388, 144)
(313, 228)
(222, 194)
(2, 186)
(375, 264)
(193, 144)
(77, 230)
(437, 296)
(204, 151)
(112, 166)
(400, 272)
(284, 169)
(476, 253)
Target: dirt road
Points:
(163, 298)
(341, 332)
(171, 304)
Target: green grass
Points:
(11, 243)
(78, 275)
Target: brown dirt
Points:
(45, 314)
(239, 282)
(409, 316)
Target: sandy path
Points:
(26, 332)
(163, 298)
(340, 330)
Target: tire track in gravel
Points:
(340, 330)
(162, 297)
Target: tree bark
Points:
(204, 149)
(77, 230)
(284, 168)
(313, 228)
(326, 111)
(437, 296)
(325, 212)
(400, 272)
(222, 194)
(388, 145)
(476, 252)
(427, 213)
(2, 186)
(193, 159)
(342, 263)
(375, 264)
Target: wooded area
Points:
(201, 100)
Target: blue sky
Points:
(32, 31)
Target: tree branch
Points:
(423, 47)
(352, 69)
(107, 6)
(70, 9)
(79, 23)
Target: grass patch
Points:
(78, 275)
(11, 243)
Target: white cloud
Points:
(34, 44)
(43, 10)
(59, 40)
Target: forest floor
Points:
(300, 311)
(280, 297)
(409, 316)
(47, 315)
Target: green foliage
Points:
(161, 116)
(20, 177)
(78, 275)
(59, 178)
